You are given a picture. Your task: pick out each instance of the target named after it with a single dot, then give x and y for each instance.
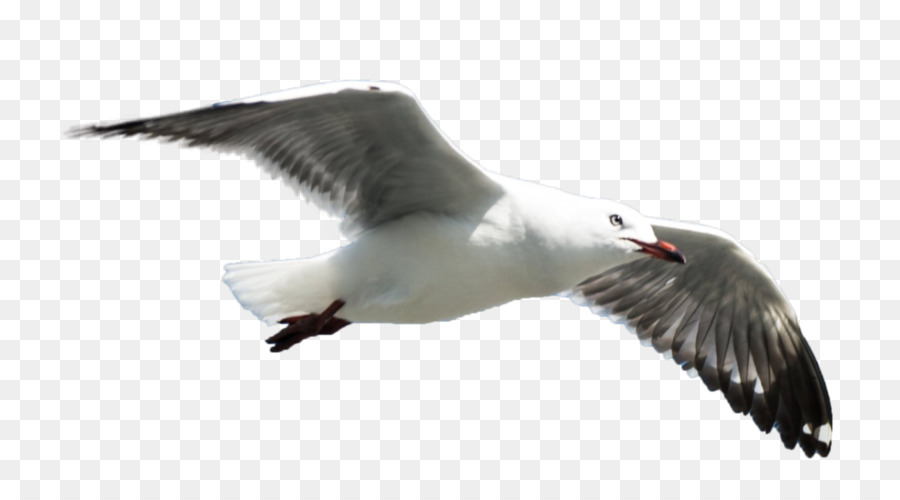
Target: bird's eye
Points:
(615, 220)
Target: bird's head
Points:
(631, 233)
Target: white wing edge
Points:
(315, 89)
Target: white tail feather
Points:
(278, 289)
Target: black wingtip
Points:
(103, 131)
(161, 127)
(817, 442)
(82, 131)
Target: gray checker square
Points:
(129, 371)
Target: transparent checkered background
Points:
(129, 371)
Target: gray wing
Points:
(722, 317)
(367, 155)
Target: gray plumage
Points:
(365, 156)
(370, 157)
(722, 317)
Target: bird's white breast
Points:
(429, 267)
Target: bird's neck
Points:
(558, 227)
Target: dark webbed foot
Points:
(298, 329)
(309, 325)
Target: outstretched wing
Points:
(367, 153)
(721, 316)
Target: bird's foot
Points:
(309, 325)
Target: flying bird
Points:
(434, 237)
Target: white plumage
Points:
(435, 237)
(427, 267)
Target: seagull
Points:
(434, 237)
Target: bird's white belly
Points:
(430, 269)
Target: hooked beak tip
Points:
(661, 250)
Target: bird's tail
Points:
(278, 289)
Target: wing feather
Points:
(720, 316)
(367, 155)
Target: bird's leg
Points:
(309, 325)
